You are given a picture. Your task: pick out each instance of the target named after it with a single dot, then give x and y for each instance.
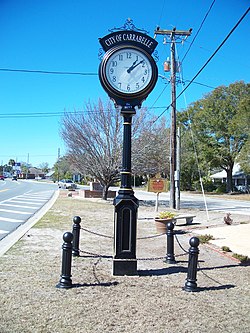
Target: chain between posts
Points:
(96, 233)
(111, 237)
(178, 242)
(69, 247)
(97, 255)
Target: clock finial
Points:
(129, 25)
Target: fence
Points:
(71, 248)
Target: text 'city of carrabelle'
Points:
(131, 37)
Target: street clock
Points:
(128, 73)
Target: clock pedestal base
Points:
(124, 260)
(124, 267)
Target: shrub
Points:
(225, 249)
(240, 257)
(207, 183)
(205, 238)
(222, 188)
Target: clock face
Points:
(128, 70)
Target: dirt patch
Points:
(152, 301)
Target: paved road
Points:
(197, 201)
(19, 201)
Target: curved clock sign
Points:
(128, 73)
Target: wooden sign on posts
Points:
(157, 185)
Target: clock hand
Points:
(134, 65)
(131, 67)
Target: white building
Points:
(240, 180)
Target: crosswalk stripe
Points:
(25, 202)
(19, 206)
(3, 232)
(34, 200)
(35, 197)
(13, 211)
(6, 219)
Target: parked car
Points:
(67, 184)
(243, 188)
(1, 177)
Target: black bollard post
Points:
(65, 280)
(76, 236)
(191, 284)
(170, 259)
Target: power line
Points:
(55, 114)
(203, 21)
(200, 84)
(61, 113)
(152, 107)
(206, 63)
(93, 74)
(163, 5)
(46, 72)
(66, 73)
(211, 57)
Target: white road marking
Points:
(6, 219)
(19, 206)
(25, 202)
(13, 211)
(28, 204)
(4, 190)
(33, 200)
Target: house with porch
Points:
(241, 181)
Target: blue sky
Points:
(60, 35)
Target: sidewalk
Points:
(236, 237)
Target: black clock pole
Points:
(128, 51)
(126, 205)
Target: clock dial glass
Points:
(128, 71)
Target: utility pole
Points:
(27, 170)
(174, 36)
(178, 168)
(173, 126)
(58, 171)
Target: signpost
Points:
(157, 185)
(128, 73)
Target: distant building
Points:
(240, 180)
(33, 173)
(49, 175)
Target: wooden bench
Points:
(189, 218)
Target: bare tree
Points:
(151, 149)
(94, 140)
(44, 166)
